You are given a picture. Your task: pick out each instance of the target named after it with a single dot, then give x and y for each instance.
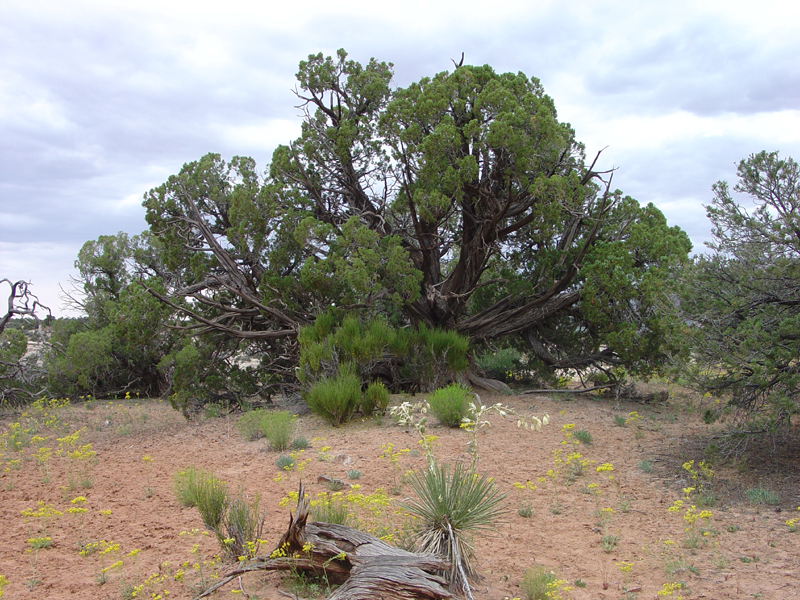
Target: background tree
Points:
(118, 346)
(459, 202)
(743, 299)
(21, 373)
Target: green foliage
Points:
(741, 300)
(196, 487)
(241, 526)
(285, 462)
(450, 506)
(376, 396)
(645, 465)
(537, 583)
(419, 357)
(278, 427)
(331, 508)
(504, 364)
(249, 425)
(450, 404)
(336, 398)
(762, 495)
(583, 437)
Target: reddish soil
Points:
(749, 553)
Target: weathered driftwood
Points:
(366, 566)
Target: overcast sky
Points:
(101, 101)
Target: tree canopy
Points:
(744, 297)
(460, 203)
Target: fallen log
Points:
(367, 567)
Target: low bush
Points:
(248, 425)
(504, 364)
(197, 487)
(538, 584)
(376, 396)
(278, 427)
(335, 399)
(450, 404)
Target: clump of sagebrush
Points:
(335, 399)
(450, 404)
(197, 487)
(452, 505)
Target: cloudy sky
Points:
(102, 100)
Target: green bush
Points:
(376, 396)
(504, 364)
(331, 508)
(537, 583)
(335, 399)
(278, 427)
(248, 425)
(197, 487)
(450, 404)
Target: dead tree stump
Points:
(365, 566)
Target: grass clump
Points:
(645, 466)
(331, 508)
(242, 526)
(539, 584)
(285, 463)
(275, 425)
(197, 487)
(248, 425)
(451, 505)
(300, 443)
(450, 404)
(761, 495)
(335, 399)
(584, 437)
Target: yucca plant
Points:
(450, 507)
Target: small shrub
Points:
(242, 526)
(196, 487)
(608, 543)
(583, 437)
(619, 420)
(335, 399)
(278, 427)
(761, 495)
(248, 425)
(450, 404)
(331, 508)
(300, 443)
(504, 364)
(376, 396)
(285, 463)
(645, 465)
(538, 584)
(354, 474)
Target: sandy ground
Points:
(748, 552)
